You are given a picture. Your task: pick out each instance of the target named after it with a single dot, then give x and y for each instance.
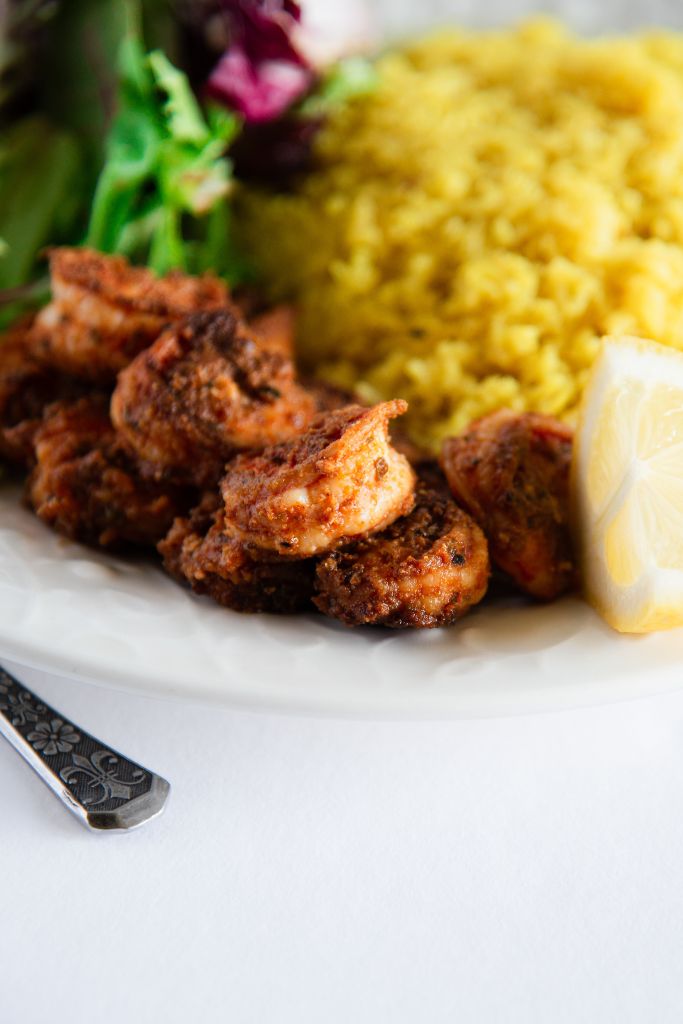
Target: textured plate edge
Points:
(602, 693)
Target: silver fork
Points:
(106, 790)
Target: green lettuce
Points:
(163, 194)
(35, 206)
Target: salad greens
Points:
(349, 77)
(34, 206)
(108, 143)
(162, 195)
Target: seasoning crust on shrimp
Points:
(27, 386)
(85, 485)
(201, 551)
(274, 330)
(339, 480)
(104, 311)
(204, 390)
(511, 472)
(427, 569)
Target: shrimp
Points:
(103, 311)
(511, 472)
(204, 390)
(26, 387)
(87, 488)
(200, 551)
(274, 330)
(329, 397)
(427, 569)
(339, 480)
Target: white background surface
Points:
(312, 870)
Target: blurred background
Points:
(585, 15)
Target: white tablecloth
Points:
(319, 870)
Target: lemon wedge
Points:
(627, 485)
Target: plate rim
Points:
(559, 701)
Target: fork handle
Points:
(106, 790)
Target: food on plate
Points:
(104, 311)
(304, 507)
(274, 330)
(202, 552)
(203, 390)
(340, 479)
(85, 485)
(26, 387)
(443, 234)
(511, 472)
(628, 485)
(426, 569)
(475, 223)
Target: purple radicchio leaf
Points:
(262, 72)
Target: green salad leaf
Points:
(352, 76)
(163, 194)
(76, 84)
(181, 110)
(77, 75)
(117, 152)
(35, 207)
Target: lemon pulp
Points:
(628, 485)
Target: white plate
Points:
(123, 623)
(107, 621)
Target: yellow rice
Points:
(476, 224)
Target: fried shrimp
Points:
(340, 479)
(86, 487)
(103, 311)
(274, 330)
(329, 397)
(425, 570)
(511, 472)
(26, 387)
(204, 390)
(201, 552)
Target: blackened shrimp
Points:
(329, 397)
(26, 387)
(86, 487)
(511, 472)
(204, 390)
(339, 480)
(274, 330)
(200, 551)
(427, 569)
(103, 311)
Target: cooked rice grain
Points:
(478, 222)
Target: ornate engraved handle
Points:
(102, 787)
